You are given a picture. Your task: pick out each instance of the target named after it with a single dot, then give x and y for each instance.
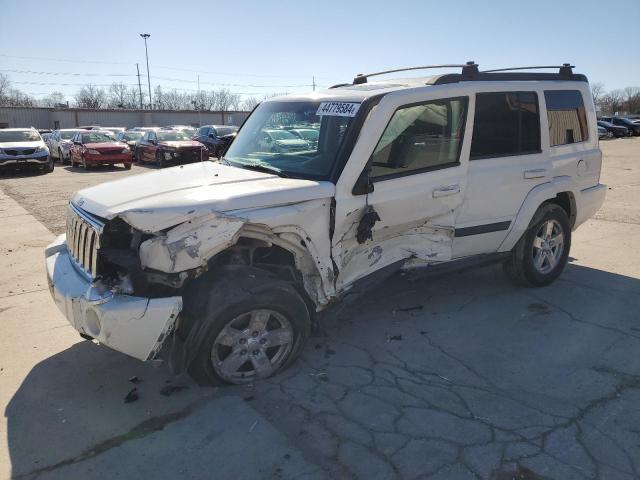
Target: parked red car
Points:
(97, 148)
(165, 147)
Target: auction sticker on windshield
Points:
(338, 109)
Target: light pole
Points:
(145, 36)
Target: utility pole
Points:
(145, 36)
(314, 83)
(198, 97)
(139, 85)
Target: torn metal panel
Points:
(191, 244)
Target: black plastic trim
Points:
(505, 77)
(480, 229)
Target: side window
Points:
(567, 117)
(505, 123)
(421, 137)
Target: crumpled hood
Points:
(154, 201)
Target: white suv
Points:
(24, 147)
(226, 263)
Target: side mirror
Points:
(212, 135)
(364, 184)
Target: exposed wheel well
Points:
(567, 201)
(266, 256)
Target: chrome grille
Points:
(83, 239)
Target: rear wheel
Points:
(48, 168)
(541, 254)
(127, 166)
(247, 325)
(85, 165)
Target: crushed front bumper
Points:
(136, 326)
(40, 158)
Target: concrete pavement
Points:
(457, 376)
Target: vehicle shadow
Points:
(22, 172)
(72, 403)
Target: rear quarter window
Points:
(567, 117)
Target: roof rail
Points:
(564, 69)
(469, 70)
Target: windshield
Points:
(264, 142)
(68, 134)
(132, 135)
(172, 136)
(96, 137)
(221, 131)
(19, 136)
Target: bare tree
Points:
(597, 90)
(632, 99)
(54, 99)
(91, 96)
(250, 103)
(5, 86)
(117, 97)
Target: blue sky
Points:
(266, 47)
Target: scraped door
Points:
(419, 184)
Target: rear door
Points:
(506, 161)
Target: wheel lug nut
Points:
(243, 352)
(254, 334)
(256, 352)
(263, 341)
(243, 340)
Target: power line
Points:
(33, 72)
(63, 60)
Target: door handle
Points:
(537, 173)
(446, 191)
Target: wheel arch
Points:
(558, 191)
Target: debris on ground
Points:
(393, 338)
(135, 379)
(132, 396)
(253, 426)
(169, 390)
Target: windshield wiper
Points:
(261, 167)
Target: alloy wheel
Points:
(252, 345)
(548, 246)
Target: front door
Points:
(418, 185)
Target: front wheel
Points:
(541, 254)
(160, 159)
(48, 168)
(246, 325)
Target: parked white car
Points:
(23, 147)
(225, 264)
(60, 144)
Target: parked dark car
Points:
(634, 129)
(211, 136)
(131, 138)
(617, 131)
(164, 147)
(225, 143)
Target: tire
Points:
(50, 166)
(242, 298)
(127, 166)
(541, 254)
(160, 159)
(85, 165)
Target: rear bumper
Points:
(588, 202)
(136, 326)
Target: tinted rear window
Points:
(567, 117)
(505, 123)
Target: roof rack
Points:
(470, 72)
(564, 69)
(468, 69)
